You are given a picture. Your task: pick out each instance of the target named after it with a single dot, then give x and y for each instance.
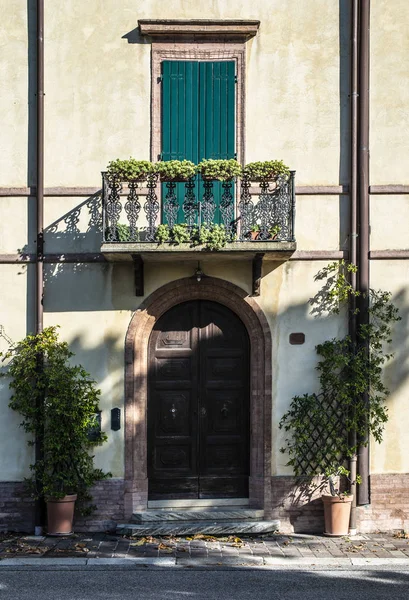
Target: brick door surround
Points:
(136, 384)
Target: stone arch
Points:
(136, 384)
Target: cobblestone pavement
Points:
(211, 550)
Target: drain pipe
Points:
(353, 229)
(363, 211)
(39, 508)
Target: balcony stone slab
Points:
(153, 252)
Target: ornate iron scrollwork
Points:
(227, 206)
(132, 209)
(151, 207)
(113, 208)
(190, 206)
(208, 208)
(245, 209)
(170, 204)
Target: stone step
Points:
(235, 514)
(156, 528)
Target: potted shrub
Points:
(268, 170)
(254, 231)
(274, 231)
(220, 169)
(130, 169)
(59, 404)
(337, 504)
(176, 170)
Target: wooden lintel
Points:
(138, 272)
(256, 272)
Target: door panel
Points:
(198, 408)
(198, 120)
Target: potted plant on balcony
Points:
(219, 169)
(59, 404)
(162, 233)
(180, 233)
(269, 170)
(212, 237)
(274, 231)
(254, 231)
(176, 170)
(130, 169)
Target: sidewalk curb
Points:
(206, 563)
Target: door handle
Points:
(203, 412)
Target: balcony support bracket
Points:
(256, 273)
(138, 274)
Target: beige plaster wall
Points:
(93, 305)
(389, 218)
(97, 102)
(97, 108)
(392, 456)
(389, 92)
(15, 456)
(285, 294)
(14, 98)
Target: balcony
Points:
(253, 218)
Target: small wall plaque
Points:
(116, 419)
(296, 339)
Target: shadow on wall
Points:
(396, 371)
(94, 285)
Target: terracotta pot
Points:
(60, 515)
(337, 511)
(254, 235)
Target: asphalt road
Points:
(169, 584)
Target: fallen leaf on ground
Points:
(402, 535)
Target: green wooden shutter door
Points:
(198, 117)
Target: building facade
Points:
(203, 347)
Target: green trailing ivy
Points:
(176, 170)
(352, 393)
(130, 169)
(59, 403)
(223, 170)
(268, 169)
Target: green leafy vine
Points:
(352, 393)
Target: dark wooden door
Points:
(198, 406)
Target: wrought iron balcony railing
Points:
(249, 211)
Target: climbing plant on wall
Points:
(352, 392)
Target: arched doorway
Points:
(136, 384)
(198, 404)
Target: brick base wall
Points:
(389, 508)
(298, 506)
(16, 509)
(108, 496)
(296, 502)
